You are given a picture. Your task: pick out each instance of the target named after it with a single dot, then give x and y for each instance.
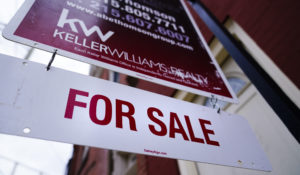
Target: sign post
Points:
(156, 41)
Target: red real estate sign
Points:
(152, 40)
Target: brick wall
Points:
(150, 165)
(273, 25)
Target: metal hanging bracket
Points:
(214, 103)
(51, 61)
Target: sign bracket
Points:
(214, 103)
(51, 61)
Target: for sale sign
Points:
(64, 106)
(149, 39)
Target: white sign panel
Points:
(68, 107)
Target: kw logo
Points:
(71, 22)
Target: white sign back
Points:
(68, 107)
